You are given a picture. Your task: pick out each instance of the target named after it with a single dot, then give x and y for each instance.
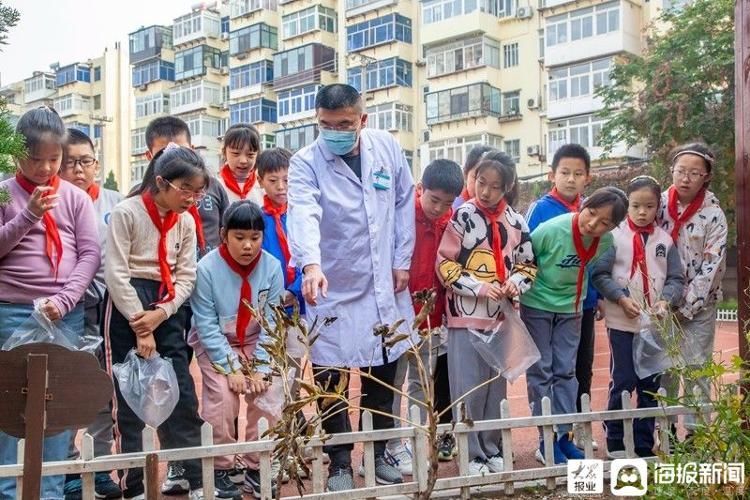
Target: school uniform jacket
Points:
(103, 207)
(358, 234)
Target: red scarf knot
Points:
(570, 207)
(276, 211)
(639, 254)
(692, 209)
(584, 255)
(93, 191)
(493, 218)
(244, 315)
(231, 182)
(163, 225)
(53, 245)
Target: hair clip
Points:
(639, 177)
(710, 159)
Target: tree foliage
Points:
(681, 89)
(9, 17)
(11, 144)
(111, 182)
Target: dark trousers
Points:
(183, 427)
(442, 388)
(374, 396)
(585, 359)
(624, 378)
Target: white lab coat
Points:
(358, 234)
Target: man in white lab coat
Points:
(351, 227)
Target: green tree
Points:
(111, 182)
(681, 89)
(11, 144)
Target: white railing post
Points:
(664, 425)
(507, 446)
(548, 434)
(88, 490)
(265, 463)
(368, 455)
(207, 463)
(149, 444)
(462, 443)
(421, 462)
(627, 427)
(318, 479)
(588, 435)
(19, 479)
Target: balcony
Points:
(71, 74)
(194, 96)
(303, 65)
(38, 87)
(72, 104)
(147, 43)
(589, 48)
(573, 106)
(358, 7)
(197, 25)
(459, 103)
(239, 8)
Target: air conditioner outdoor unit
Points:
(533, 103)
(225, 70)
(143, 87)
(241, 55)
(421, 63)
(425, 136)
(533, 150)
(225, 106)
(524, 12)
(225, 36)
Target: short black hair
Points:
(694, 148)
(243, 215)
(506, 167)
(166, 126)
(172, 164)
(609, 196)
(241, 135)
(272, 160)
(77, 137)
(472, 159)
(443, 175)
(40, 125)
(644, 182)
(571, 151)
(337, 96)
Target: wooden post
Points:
(588, 435)
(19, 479)
(265, 464)
(664, 434)
(152, 476)
(207, 439)
(549, 438)
(36, 415)
(742, 166)
(627, 427)
(318, 480)
(507, 446)
(368, 452)
(88, 478)
(462, 443)
(422, 457)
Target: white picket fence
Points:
(462, 485)
(726, 315)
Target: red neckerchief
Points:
(639, 254)
(163, 226)
(52, 235)
(244, 315)
(692, 209)
(493, 218)
(231, 182)
(465, 195)
(584, 254)
(193, 210)
(570, 207)
(276, 212)
(93, 191)
(437, 225)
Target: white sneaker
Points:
(539, 457)
(578, 439)
(478, 467)
(616, 455)
(196, 494)
(400, 457)
(496, 463)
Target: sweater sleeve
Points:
(275, 296)
(116, 266)
(184, 272)
(675, 281)
(89, 259)
(451, 272)
(601, 276)
(206, 321)
(524, 266)
(12, 231)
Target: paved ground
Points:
(525, 440)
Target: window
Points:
(583, 130)
(513, 149)
(391, 116)
(194, 25)
(313, 56)
(479, 99)
(39, 82)
(381, 74)
(256, 36)
(307, 20)
(137, 169)
(138, 141)
(253, 111)
(239, 8)
(510, 55)
(298, 100)
(195, 61)
(97, 73)
(152, 71)
(506, 8)
(83, 127)
(457, 148)
(434, 11)
(72, 73)
(462, 55)
(409, 155)
(251, 74)
(225, 25)
(512, 103)
(152, 104)
(98, 101)
(579, 80)
(147, 42)
(267, 141)
(72, 104)
(197, 92)
(378, 31)
(97, 132)
(583, 23)
(202, 125)
(296, 138)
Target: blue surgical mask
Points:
(340, 142)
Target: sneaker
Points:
(577, 439)
(142, 496)
(496, 463)
(615, 449)
(400, 457)
(224, 486)
(175, 482)
(568, 448)
(105, 487)
(385, 473)
(237, 474)
(447, 447)
(197, 494)
(478, 467)
(560, 458)
(73, 489)
(252, 483)
(340, 478)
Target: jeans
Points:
(55, 447)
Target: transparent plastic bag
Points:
(39, 329)
(650, 350)
(271, 402)
(295, 348)
(508, 347)
(149, 386)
